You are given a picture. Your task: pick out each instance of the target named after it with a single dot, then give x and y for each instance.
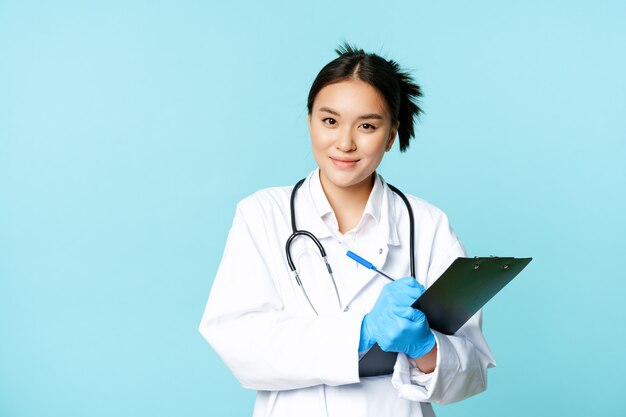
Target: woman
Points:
(300, 349)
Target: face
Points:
(351, 129)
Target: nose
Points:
(345, 141)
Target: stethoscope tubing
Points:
(296, 233)
(411, 228)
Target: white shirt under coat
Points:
(262, 327)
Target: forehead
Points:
(351, 97)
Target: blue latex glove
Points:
(394, 324)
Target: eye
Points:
(368, 126)
(329, 121)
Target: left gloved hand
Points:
(394, 324)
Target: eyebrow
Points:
(365, 116)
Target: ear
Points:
(309, 121)
(392, 137)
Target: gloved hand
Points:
(394, 324)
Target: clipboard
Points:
(463, 289)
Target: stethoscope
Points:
(295, 233)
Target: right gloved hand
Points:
(394, 324)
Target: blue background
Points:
(129, 130)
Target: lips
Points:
(343, 162)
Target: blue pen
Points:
(367, 264)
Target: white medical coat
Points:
(262, 327)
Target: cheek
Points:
(374, 146)
(320, 138)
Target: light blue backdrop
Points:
(129, 130)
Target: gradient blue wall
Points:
(129, 130)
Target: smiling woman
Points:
(304, 360)
(351, 129)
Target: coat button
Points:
(380, 251)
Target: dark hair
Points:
(396, 86)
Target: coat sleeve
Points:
(245, 321)
(462, 358)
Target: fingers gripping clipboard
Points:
(463, 289)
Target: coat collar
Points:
(380, 207)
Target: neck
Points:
(348, 203)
